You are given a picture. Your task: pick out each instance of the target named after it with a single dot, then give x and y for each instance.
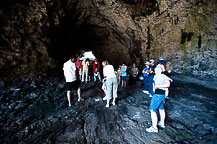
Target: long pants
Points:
(85, 72)
(150, 85)
(145, 79)
(112, 87)
(98, 75)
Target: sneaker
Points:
(107, 105)
(70, 105)
(146, 92)
(104, 98)
(150, 95)
(113, 103)
(152, 129)
(79, 100)
(161, 124)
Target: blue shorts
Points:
(123, 78)
(157, 102)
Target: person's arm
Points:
(74, 69)
(104, 72)
(131, 72)
(94, 67)
(121, 69)
(168, 78)
(145, 70)
(74, 73)
(64, 73)
(98, 66)
(137, 72)
(153, 87)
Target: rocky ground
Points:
(36, 111)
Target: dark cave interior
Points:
(38, 36)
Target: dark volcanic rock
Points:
(43, 116)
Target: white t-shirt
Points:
(160, 79)
(69, 71)
(109, 72)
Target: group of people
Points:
(155, 77)
(149, 73)
(156, 83)
(88, 70)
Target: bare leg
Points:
(154, 119)
(107, 105)
(83, 75)
(113, 101)
(69, 97)
(79, 93)
(105, 90)
(162, 116)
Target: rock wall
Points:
(39, 35)
(185, 33)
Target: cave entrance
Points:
(87, 55)
(73, 39)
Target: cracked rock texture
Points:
(37, 36)
(36, 111)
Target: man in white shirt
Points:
(69, 69)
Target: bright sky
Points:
(88, 55)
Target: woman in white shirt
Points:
(111, 82)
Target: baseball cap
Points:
(161, 58)
(151, 60)
(147, 63)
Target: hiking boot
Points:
(146, 92)
(161, 124)
(152, 130)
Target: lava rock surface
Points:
(36, 111)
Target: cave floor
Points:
(37, 112)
